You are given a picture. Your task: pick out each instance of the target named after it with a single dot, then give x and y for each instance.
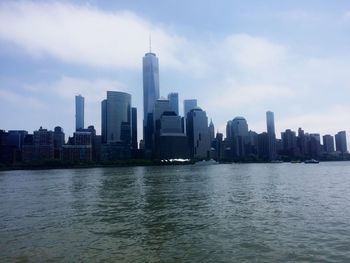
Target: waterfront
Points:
(210, 213)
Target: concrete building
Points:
(41, 147)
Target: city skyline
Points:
(253, 73)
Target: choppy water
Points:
(217, 213)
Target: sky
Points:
(237, 58)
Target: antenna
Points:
(150, 43)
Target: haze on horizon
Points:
(236, 58)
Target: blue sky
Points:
(238, 58)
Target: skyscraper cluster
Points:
(166, 134)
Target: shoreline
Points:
(130, 163)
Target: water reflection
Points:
(219, 213)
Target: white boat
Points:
(311, 161)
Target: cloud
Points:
(85, 35)
(234, 74)
(12, 98)
(253, 52)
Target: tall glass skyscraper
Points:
(79, 112)
(116, 117)
(150, 95)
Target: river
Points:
(192, 213)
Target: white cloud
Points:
(85, 35)
(253, 52)
(232, 75)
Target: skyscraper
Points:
(174, 102)
(150, 95)
(340, 142)
(116, 117)
(188, 106)
(270, 123)
(79, 112)
(211, 131)
(198, 133)
(134, 128)
(328, 143)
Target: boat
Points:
(311, 161)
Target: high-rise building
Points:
(79, 112)
(104, 121)
(289, 142)
(270, 123)
(174, 102)
(116, 117)
(211, 131)
(328, 143)
(150, 95)
(340, 142)
(58, 142)
(134, 128)
(198, 133)
(188, 106)
(240, 136)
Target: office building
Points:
(188, 106)
(150, 95)
(174, 102)
(328, 143)
(79, 112)
(340, 142)
(116, 117)
(270, 123)
(198, 133)
(134, 128)
(211, 131)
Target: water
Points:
(218, 213)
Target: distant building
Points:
(11, 143)
(270, 123)
(80, 148)
(79, 112)
(116, 117)
(174, 102)
(116, 126)
(289, 142)
(238, 137)
(211, 131)
(58, 142)
(134, 128)
(315, 145)
(150, 95)
(173, 142)
(41, 147)
(328, 143)
(198, 133)
(264, 146)
(189, 105)
(340, 142)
